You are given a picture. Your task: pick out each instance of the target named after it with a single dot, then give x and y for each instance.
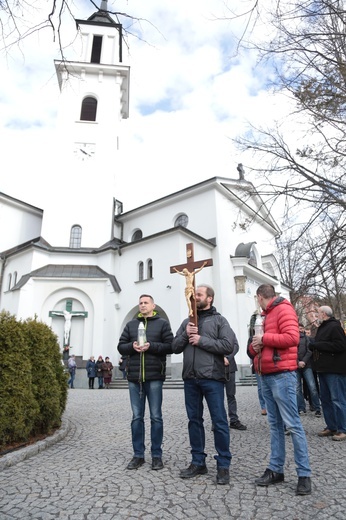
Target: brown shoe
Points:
(327, 433)
(339, 436)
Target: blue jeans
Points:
(72, 378)
(259, 391)
(333, 399)
(214, 394)
(100, 381)
(279, 392)
(308, 375)
(151, 390)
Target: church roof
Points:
(68, 271)
(100, 17)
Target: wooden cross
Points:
(68, 314)
(189, 270)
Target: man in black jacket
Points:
(146, 372)
(329, 361)
(204, 375)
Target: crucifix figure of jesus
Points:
(183, 269)
(68, 314)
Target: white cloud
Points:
(190, 94)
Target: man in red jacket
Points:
(275, 358)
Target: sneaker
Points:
(222, 476)
(339, 436)
(304, 486)
(193, 471)
(135, 463)
(327, 433)
(237, 425)
(156, 463)
(302, 412)
(318, 413)
(263, 412)
(269, 477)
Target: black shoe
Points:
(269, 477)
(156, 463)
(135, 463)
(237, 425)
(304, 486)
(318, 413)
(193, 471)
(222, 476)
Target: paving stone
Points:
(80, 472)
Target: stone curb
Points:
(25, 453)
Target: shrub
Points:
(19, 409)
(48, 376)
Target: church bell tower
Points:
(94, 98)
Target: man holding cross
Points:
(205, 343)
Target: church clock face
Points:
(84, 151)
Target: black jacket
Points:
(205, 360)
(304, 352)
(149, 365)
(329, 348)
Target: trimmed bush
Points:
(19, 409)
(49, 380)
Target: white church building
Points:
(92, 259)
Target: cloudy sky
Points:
(191, 93)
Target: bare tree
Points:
(309, 55)
(21, 19)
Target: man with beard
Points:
(204, 376)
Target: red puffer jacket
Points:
(280, 339)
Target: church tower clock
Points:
(94, 98)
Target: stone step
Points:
(179, 383)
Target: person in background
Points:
(99, 371)
(122, 366)
(72, 366)
(230, 388)
(329, 361)
(204, 375)
(305, 373)
(258, 377)
(275, 354)
(107, 370)
(146, 372)
(91, 371)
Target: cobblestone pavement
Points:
(82, 476)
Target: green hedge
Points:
(33, 389)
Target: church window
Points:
(181, 220)
(76, 237)
(96, 49)
(140, 271)
(9, 282)
(149, 268)
(137, 235)
(14, 281)
(89, 108)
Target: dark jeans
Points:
(91, 382)
(151, 390)
(333, 399)
(214, 393)
(308, 376)
(231, 400)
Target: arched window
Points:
(140, 271)
(76, 237)
(9, 282)
(137, 235)
(89, 108)
(149, 268)
(14, 281)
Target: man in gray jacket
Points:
(204, 375)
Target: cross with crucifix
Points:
(67, 314)
(183, 269)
